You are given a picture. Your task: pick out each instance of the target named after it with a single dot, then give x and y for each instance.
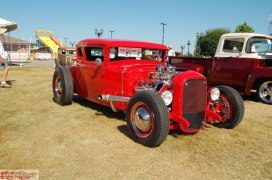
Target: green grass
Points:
(88, 141)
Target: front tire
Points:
(63, 86)
(147, 119)
(230, 106)
(264, 91)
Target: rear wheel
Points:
(147, 119)
(63, 86)
(229, 106)
(264, 91)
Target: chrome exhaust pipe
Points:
(110, 99)
(113, 98)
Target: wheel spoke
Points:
(58, 86)
(223, 108)
(265, 92)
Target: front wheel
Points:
(230, 106)
(147, 119)
(264, 91)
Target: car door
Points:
(231, 71)
(93, 74)
(230, 67)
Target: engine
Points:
(160, 81)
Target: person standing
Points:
(4, 64)
(171, 52)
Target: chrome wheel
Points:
(147, 118)
(230, 106)
(142, 120)
(58, 87)
(265, 92)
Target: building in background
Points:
(17, 49)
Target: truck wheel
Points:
(264, 91)
(63, 86)
(147, 119)
(230, 106)
(56, 63)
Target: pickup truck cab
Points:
(133, 77)
(242, 61)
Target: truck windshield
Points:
(259, 45)
(122, 53)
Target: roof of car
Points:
(245, 35)
(121, 43)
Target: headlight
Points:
(214, 93)
(167, 97)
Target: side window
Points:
(113, 53)
(92, 53)
(79, 53)
(233, 45)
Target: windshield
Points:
(259, 45)
(71, 52)
(122, 53)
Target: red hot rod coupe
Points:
(120, 74)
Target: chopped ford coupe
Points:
(155, 96)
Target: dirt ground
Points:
(88, 141)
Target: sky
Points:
(139, 20)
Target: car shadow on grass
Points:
(107, 112)
(124, 130)
(176, 133)
(101, 110)
(252, 97)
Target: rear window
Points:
(233, 45)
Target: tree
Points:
(245, 28)
(208, 42)
(188, 54)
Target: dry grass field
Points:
(88, 141)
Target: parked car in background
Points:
(121, 75)
(66, 56)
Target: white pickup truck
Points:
(242, 61)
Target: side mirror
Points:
(98, 61)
